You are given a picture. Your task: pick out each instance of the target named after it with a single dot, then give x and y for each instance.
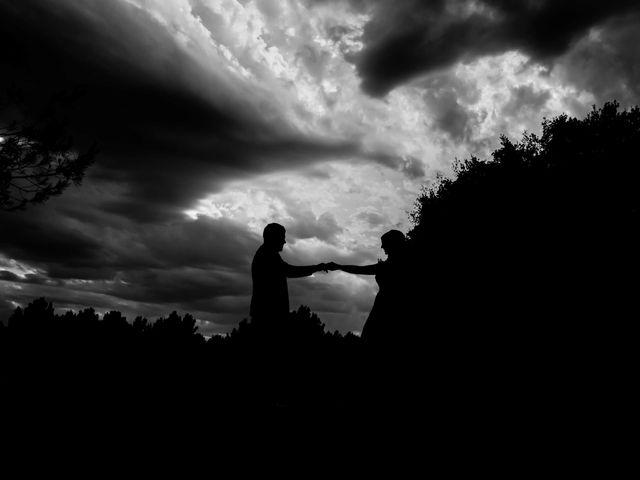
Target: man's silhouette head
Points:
(393, 242)
(273, 235)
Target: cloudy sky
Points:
(216, 117)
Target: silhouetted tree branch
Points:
(37, 159)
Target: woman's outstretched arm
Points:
(297, 271)
(355, 269)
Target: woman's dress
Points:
(386, 317)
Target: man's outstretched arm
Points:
(356, 269)
(294, 271)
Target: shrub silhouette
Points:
(524, 263)
(544, 225)
(168, 364)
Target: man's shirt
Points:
(270, 297)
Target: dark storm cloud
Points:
(413, 37)
(447, 98)
(181, 286)
(181, 262)
(65, 247)
(40, 238)
(30, 278)
(413, 168)
(372, 218)
(306, 225)
(449, 115)
(203, 242)
(408, 165)
(607, 64)
(199, 266)
(171, 128)
(525, 99)
(9, 276)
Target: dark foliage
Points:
(37, 158)
(168, 367)
(547, 230)
(527, 266)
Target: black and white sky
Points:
(216, 117)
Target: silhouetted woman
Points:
(390, 305)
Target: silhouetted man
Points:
(269, 272)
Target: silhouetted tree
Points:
(37, 158)
(526, 266)
(551, 219)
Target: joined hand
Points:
(328, 267)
